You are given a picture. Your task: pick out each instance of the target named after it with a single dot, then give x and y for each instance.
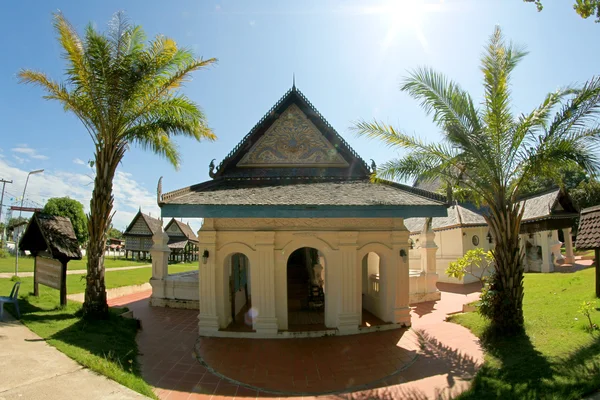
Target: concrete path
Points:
(31, 369)
(74, 271)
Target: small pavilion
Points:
(138, 235)
(296, 238)
(182, 242)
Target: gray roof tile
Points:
(340, 193)
(588, 235)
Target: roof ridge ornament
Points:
(158, 191)
(211, 168)
(294, 81)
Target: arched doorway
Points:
(305, 289)
(239, 292)
(372, 293)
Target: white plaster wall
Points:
(343, 274)
(452, 245)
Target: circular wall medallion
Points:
(475, 240)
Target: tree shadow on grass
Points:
(525, 373)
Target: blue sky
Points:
(348, 57)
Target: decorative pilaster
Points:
(263, 284)
(547, 258)
(160, 267)
(399, 279)
(207, 318)
(569, 256)
(160, 255)
(428, 258)
(349, 314)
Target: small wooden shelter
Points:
(52, 241)
(138, 235)
(588, 236)
(182, 241)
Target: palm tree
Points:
(494, 154)
(125, 92)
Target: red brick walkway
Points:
(448, 358)
(317, 365)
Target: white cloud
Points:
(78, 161)
(25, 150)
(128, 193)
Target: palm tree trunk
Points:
(507, 282)
(101, 204)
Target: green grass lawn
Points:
(556, 358)
(26, 263)
(107, 347)
(113, 279)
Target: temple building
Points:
(295, 239)
(464, 228)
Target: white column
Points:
(207, 318)
(428, 256)
(545, 242)
(263, 284)
(160, 255)
(569, 256)
(399, 279)
(349, 312)
(160, 265)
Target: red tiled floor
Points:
(449, 357)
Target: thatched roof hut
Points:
(51, 235)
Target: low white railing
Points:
(374, 284)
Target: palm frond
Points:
(449, 104)
(497, 63)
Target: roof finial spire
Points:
(294, 81)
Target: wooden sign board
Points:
(49, 272)
(52, 273)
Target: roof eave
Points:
(301, 211)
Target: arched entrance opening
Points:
(306, 289)
(239, 292)
(372, 293)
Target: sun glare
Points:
(404, 16)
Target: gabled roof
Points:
(294, 164)
(185, 230)
(52, 234)
(234, 166)
(554, 203)
(588, 235)
(154, 224)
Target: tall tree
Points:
(125, 92)
(496, 153)
(585, 8)
(72, 209)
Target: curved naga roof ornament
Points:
(211, 168)
(373, 166)
(158, 191)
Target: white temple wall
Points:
(269, 242)
(452, 245)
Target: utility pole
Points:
(4, 182)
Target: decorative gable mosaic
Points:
(292, 141)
